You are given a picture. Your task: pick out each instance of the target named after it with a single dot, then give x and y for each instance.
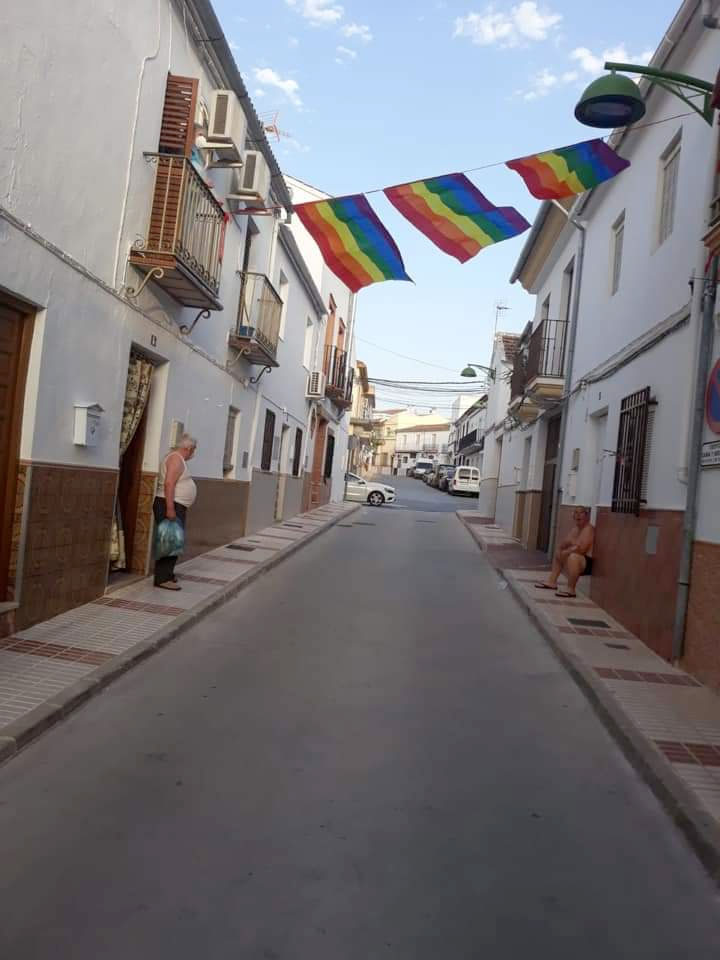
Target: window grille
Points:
(630, 454)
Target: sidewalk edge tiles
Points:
(18, 733)
(688, 813)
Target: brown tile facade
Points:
(17, 529)
(702, 633)
(67, 539)
(635, 587)
(218, 516)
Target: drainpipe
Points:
(565, 402)
(704, 354)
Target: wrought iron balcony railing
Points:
(338, 376)
(258, 323)
(546, 356)
(183, 248)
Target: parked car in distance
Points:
(438, 474)
(367, 491)
(465, 482)
(444, 481)
(422, 467)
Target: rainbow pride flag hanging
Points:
(354, 243)
(452, 212)
(568, 170)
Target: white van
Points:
(466, 480)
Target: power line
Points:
(404, 356)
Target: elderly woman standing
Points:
(176, 492)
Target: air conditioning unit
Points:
(252, 181)
(227, 128)
(316, 384)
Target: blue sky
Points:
(376, 93)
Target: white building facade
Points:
(629, 372)
(138, 294)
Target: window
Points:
(618, 235)
(230, 432)
(545, 309)
(631, 452)
(329, 453)
(669, 166)
(268, 436)
(296, 452)
(307, 350)
(284, 290)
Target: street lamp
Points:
(470, 372)
(615, 101)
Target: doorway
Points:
(123, 562)
(317, 480)
(15, 336)
(552, 447)
(283, 469)
(599, 423)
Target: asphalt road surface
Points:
(370, 753)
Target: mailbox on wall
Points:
(87, 424)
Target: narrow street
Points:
(371, 752)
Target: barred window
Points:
(630, 467)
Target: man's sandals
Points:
(558, 593)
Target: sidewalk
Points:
(49, 669)
(668, 723)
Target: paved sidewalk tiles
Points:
(43, 664)
(674, 720)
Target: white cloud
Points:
(522, 23)
(593, 63)
(545, 82)
(359, 30)
(344, 54)
(258, 92)
(293, 42)
(269, 78)
(318, 12)
(234, 46)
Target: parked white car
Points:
(366, 491)
(466, 480)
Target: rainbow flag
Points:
(568, 170)
(452, 212)
(354, 244)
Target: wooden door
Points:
(14, 353)
(317, 481)
(552, 446)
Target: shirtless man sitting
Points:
(573, 555)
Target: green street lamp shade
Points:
(610, 101)
(468, 372)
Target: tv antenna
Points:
(269, 123)
(500, 307)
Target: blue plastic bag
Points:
(169, 539)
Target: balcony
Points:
(184, 244)
(470, 443)
(338, 386)
(258, 324)
(539, 369)
(546, 360)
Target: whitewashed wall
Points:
(653, 286)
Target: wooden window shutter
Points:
(177, 130)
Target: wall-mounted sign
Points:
(711, 454)
(712, 400)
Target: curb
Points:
(701, 830)
(14, 736)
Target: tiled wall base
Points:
(636, 587)
(67, 539)
(218, 515)
(702, 634)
